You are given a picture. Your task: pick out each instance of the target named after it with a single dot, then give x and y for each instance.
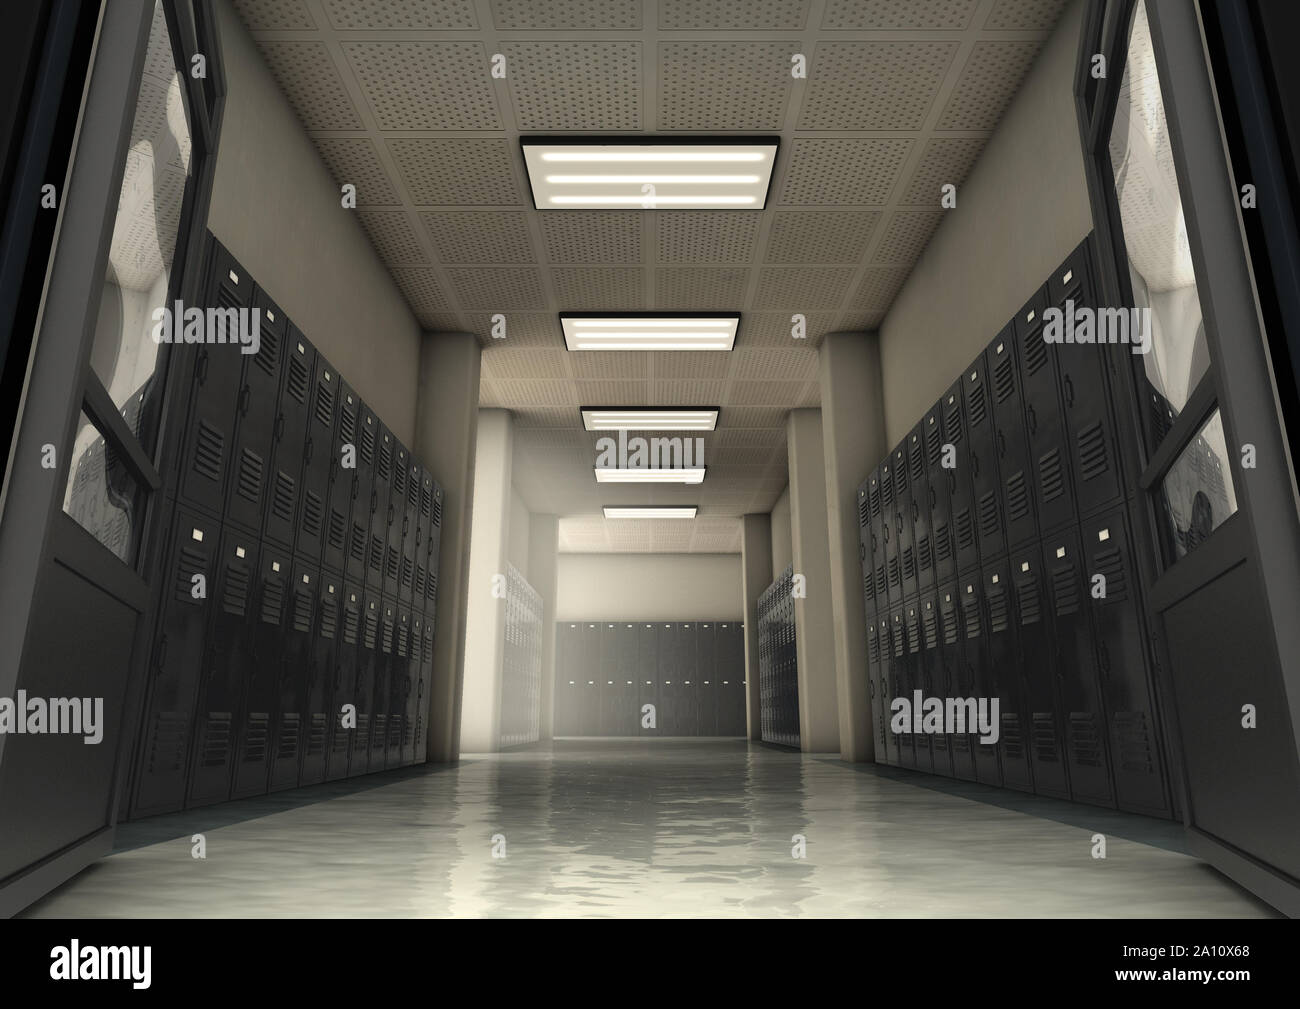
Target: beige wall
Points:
(649, 587)
(276, 208)
(782, 555)
(520, 532)
(1021, 211)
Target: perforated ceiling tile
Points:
(522, 329)
(392, 236)
(685, 365)
(486, 237)
(874, 85)
(706, 236)
(422, 292)
(775, 363)
(387, 15)
(1025, 15)
(575, 85)
(556, 15)
(523, 364)
(691, 393)
(592, 236)
(741, 15)
(855, 320)
(488, 393)
(759, 439)
(802, 289)
(992, 75)
(854, 172)
(764, 393)
(611, 393)
(273, 15)
(680, 288)
(610, 366)
(819, 237)
(724, 85)
(776, 329)
(498, 289)
(457, 173)
(906, 235)
(311, 82)
(354, 161)
(879, 287)
(945, 161)
(399, 80)
(543, 416)
(158, 106)
(868, 14)
(539, 393)
(612, 288)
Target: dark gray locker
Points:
(423, 529)
(986, 488)
(1012, 449)
(280, 522)
(589, 683)
(363, 501)
(904, 509)
(1137, 753)
(1003, 675)
(424, 693)
(214, 396)
(902, 751)
(342, 482)
(1076, 667)
(918, 478)
(363, 688)
(629, 668)
(399, 689)
(917, 676)
(321, 671)
(295, 674)
(889, 534)
(706, 679)
(345, 680)
(979, 670)
(939, 496)
(1049, 460)
(866, 558)
(608, 683)
(960, 682)
(258, 403)
(875, 497)
(1038, 673)
(432, 549)
(567, 644)
(381, 697)
(380, 502)
(934, 678)
(180, 657)
(416, 694)
(671, 680)
(877, 695)
(262, 680)
(961, 490)
(229, 654)
(648, 643)
(317, 458)
(1084, 372)
(412, 537)
(730, 649)
(688, 710)
(396, 520)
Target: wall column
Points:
(755, 576)
(543, 575)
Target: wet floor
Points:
(650, 827)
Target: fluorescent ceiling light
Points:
(650, 330)
(664, 512)
(609, 474)
(718, 173)
(646, 418)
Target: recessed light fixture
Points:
(649, 330)
(610, 474)
(650, 512)
(649, 173)
(649, 418)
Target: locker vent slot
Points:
(1051, 478)
(882, 583)
(376, 553)
(368, 444)
(392, 563)
(977, 405)
(917, 464)
(931, 628)
(1065, 590)
(347, 427)
(297, 384)
(338, 530)
(1027, 594)
(312, 508)
(268, 351)
(972, 619)
(895, 576)
(316, 735)
(403, 639)
(1092, 452)
(399, 481)
(325, 403)
(385, 467)
(1134, 741)
(171, 731)
(209, 450)
(961, 743)
(1017, 497)
(419, 581)
(997, 610)
(924, 555)
(909, 564)
(339, 744)
(386, 640)
(193, 561)
(234, 600)
(868, 585)
(873, 498)
(282, 498)
(952, 426)
(357, 549)
(419, 730)
(965, 529)
(988, 505)
(379, 732)
(287, 744)
(426, 500)
(351, 625)
(302, 611)
(951, 631)
(913, 637)
(1035, 351)
(272, 602)
(408, 732)
(1012, 744)
(395, 731)
(1111, 564)
(864, 513)
(329, 620)
(900, 479)
(887, 490)
(899, 641)
(933, 446)
(1045, 738)
(216, 739)
(249, 485)
(361, 735)
(413, 491)
(407, 571)
(1004, 379)
(437, 514)
(942, 541)
(873, 646)
(255, 737)
(940, 742)
(1085, 741)
(432, 585)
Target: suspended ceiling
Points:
(900, 97)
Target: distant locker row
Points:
(300, 576)
(692, 675)
(521, 679)
(778, 664)
(997, 561)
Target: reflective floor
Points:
(650, 827)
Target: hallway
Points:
(665, 827)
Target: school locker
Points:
(731, 672)
(400, 734)
(322, 419)
(1038, 673)
(961, 488)
(958, 678)
(424, 691)
(262, 677)
(411, 531)
(257, 404)
(875, 498)
(647, 678)
(934, 678)
(364, 684)
(607, 682)
(343, 485)
(1009, 433)
(566, 680)
(294, 673)
(345, 681)
(687, 680)
(416, 694)
(986, 490)
(889, 533)
(866, 557)
(380, 502)
(938, 490)
(381, 696)
(396, 527)
(1003, 676)
(919, 481)
(917, 676)
(420, 546)
(975, 648)
(903, 518)
(1049, 461)
(589, 697)
(364, 497)
(876, 693)
(902, 751)
(317, 723)
(280, 523)
(432, 551)
(625, 679)
(706, 679)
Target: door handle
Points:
(1002, 444)
(279, 427)
(390, 515)
(355, 487)
(308, 450)
(862, 552)
(245, 396)
(202, 369)
(974, 464)
(374, 501)
(1069, 390)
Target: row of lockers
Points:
(690, 674)
(521, 679)
(1045, 613)
(273, 664)
(778, 665)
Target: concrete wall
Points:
(276, 208)
(782, 556)
(520, 531)
(1023, 209)
(649, 587)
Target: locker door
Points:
(917, 680)
(363, 690)
(214, 396)
(1044, 426)
(424, 688)
(1038, 674)
(180, 659)
(629, 714)
(380, 502)
(345, 681)
(707, 679)
(1076, 667)
(262, 679)
(433, 546)
(876, 692)
(1003, 676)
(423, 522)
(670, 680)
(903, 515)
(282, 512)
(647, 684)
(381, 696)
(411, 532)
(415, 695)
(1137, 751)
(399, 689)
(589, 705)
(230, 653)
(865, 552)
(396, 527)
(317, 722)
(876, 491)
(688, 710)
(957, 676)
(1012, 449)
(935, 679)
(317, 460)
(986, 488)
(342, 481)
(566, 679)
(258, 401)
(889, 532)
(922, 532)
(979, 671)
(902, 750)
(729, 674)
(961, 491)
(295, 674)
(363, 499)
(939, 497)
(607, 682)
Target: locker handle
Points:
(974, 464)
(202, 369)
(308, 449)
(933, 499)
(1069, 390)
(406, 522)
(1032, 417)
(245, 396)
(1104, 655)
(390, 515)
(162, 652)
(374, 501)
(862, 552)
(279, 427)
(1002, 444)
(355, 487)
